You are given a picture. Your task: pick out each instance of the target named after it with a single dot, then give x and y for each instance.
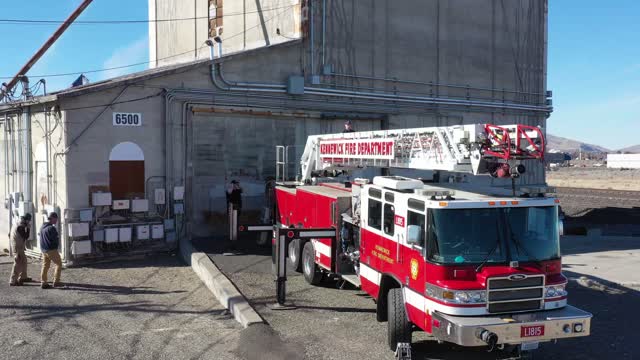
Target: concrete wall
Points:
(91, 136)
(177, 41)
(247, 24)
(45, 125)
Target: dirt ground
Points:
(595, 178)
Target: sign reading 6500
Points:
(127, 119)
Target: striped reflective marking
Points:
(322, 248)
(317, 234)
(414, 299)
(370, 274)
(259, 228)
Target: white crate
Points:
(81, 247)
(157, 231)
(140, 205)
(142, 232)
(98, 235)
(120, 204)
(101, 199)
(111, 235)
(125, 234)
(78, 229)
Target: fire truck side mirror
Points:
(560, 227)
(414, 235)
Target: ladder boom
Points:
(474, 149)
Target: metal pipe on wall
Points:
(28, 192)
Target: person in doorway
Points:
(49, 244)
(234, 196)
(20, 234)
(348, 127)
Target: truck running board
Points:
(353, 279)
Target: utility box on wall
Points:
(101, 199)
(142, 232)
(111, 235)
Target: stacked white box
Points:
(78, 229)
(101, 199)
(157, 231)
(125, 234)
(98, 235)
(81, 247)
(111, 235)
(140, 205)
(142, 232)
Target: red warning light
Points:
(290, 234)
(241, 228)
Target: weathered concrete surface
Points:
(217, 282)
(612, 259)
(153, 308)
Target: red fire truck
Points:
(468, 265)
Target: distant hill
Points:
(631, 149)
(570, 146)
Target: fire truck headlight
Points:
(555, 291)
(456, 296)
(462, 297)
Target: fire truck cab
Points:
(468, 265)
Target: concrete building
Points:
(201, 123)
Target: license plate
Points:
(532, 331)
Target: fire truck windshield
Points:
(492, 235)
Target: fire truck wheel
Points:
(398, 325)
(293, 258)
(310, 270)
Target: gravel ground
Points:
(152, 308)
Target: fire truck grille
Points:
(514, 306)
(515, 295)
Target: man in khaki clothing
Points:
(49, 244)
(20, 234)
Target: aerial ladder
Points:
(497, 150)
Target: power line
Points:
(114, 22)
(148, 62)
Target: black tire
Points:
(293, 255)
(398, 325)
(310, 269)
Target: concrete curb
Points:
(218, 283)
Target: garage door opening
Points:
(126, 171)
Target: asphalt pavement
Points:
(331, 323)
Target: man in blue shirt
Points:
(49, 244)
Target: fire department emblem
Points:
(414, 269)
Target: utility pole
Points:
(8, 87)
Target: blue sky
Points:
(594, 57)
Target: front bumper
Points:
(461, 330)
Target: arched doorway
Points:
(126, 171)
